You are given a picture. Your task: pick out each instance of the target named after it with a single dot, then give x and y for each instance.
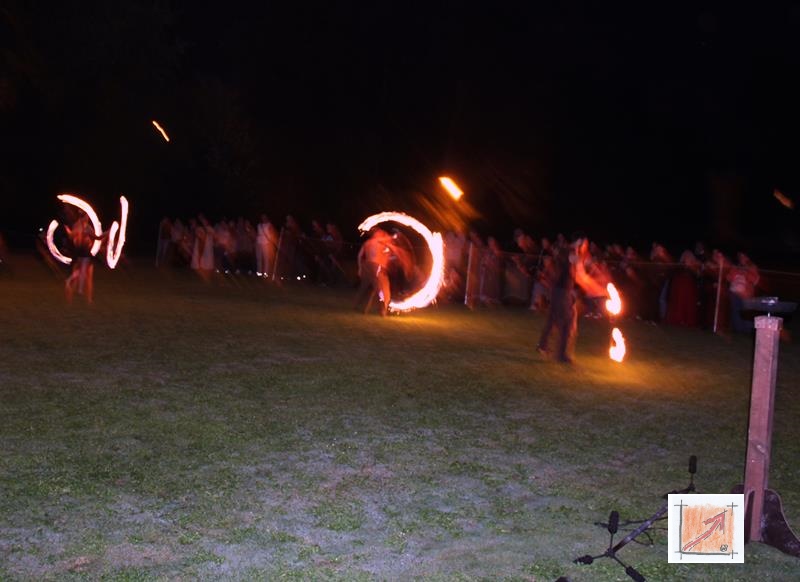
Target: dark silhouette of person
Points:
(562, 317)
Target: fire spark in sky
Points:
(451, 187)
(430, 289)
(161, 130)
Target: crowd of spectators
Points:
(655, 287)
(239, 247)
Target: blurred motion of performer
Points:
(568, 270)
(562, 315)
(373, 263)
(81, 237)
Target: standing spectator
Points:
(455, 243)
(491, 273)
(323, 268)
(334, 243)
(742, 278)
(684, 297)
(520, 271)
(203, 248)
(266, 246)
(177, 247)
(715, 290)
(660, 261)
(164, 242)
(542, 286)
(245, 243)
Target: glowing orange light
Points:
(160, 129)
(451, 187)
(617, 350)
(52, 245)
(113, 251)
(614, 302)
(783, 199)
(427, 294)
(86, 207)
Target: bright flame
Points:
(113, 251)
(617, 351)
(83, 205)
(614, 302)
(52, 245)
(451, 187)
(430, 290)
(783, 199)
(161, 129)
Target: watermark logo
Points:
(706, 528)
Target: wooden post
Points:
(719, 293)
(759, 434)
(467, 290)
(277, 256)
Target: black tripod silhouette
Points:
(644, 525)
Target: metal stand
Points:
(764, 518)
(613, 527)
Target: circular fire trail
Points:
(427, 294)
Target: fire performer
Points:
(82, 237)
(569, 270)
(373, 263)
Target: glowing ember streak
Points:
(783, 199)
(614, 302)
(83, 205)
(451, 187)
(617, 351)
(52, 245)
(160, 129)
(430, 290)
(113, 251)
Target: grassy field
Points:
(177, 430)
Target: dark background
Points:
(630, 123)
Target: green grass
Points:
(235, 430)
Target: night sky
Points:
(631, 124)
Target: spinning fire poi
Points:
(429, 290)
(86, 237)
(116, 234)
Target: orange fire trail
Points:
(614, 302)
(617, 351)
(160, 129)
(430, 290)
(451, 187)
(113, 251)
(51, 245)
